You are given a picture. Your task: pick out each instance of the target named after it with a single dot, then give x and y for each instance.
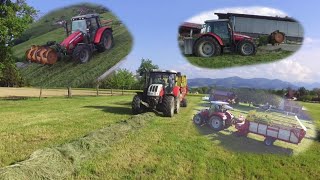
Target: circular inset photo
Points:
(239, 36)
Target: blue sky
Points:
(154, 24)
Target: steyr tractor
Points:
(87, 35)
(217, 116)
(217, 37)
(164, 90)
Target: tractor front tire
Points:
(137, 108)
(184, 102)
(197, 119)
(268, 141)
(247, 48)
(168, 106)
(106, 41)
(216, 123)
(207, 47)
(82, 54)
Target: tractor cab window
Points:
(222, 29)
(79, 25)
(167, 80)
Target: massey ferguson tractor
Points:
(217, 116)
(87, 35)
(164, 91)
(216, 37)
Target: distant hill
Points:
(237, 82)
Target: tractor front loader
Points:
(87, 35)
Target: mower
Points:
(217, 116)
(217, 37)
(87, 35)
(164, 90)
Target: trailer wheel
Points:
(247, 48)
(207, 47)
(197, 120)
(184, 102)
(137, 108)
(106, 41)
(269, 141)
(81, 54)
(216, 123)
(168, 106)
(177, 104)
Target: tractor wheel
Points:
(207, 47)
(168, 106)
(197, 120)
(247, 48)
(81, 54)
(184, 102)
(106, 41)
(216, 123)
(269, 141)
(137, 108)
(177, 104)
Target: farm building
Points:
(226, 96)
(255, 26)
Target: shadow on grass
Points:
(113, 109)
(229, 140)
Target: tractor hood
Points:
(72, 40)
(239, 37)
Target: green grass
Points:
(232, 60)
(68, 73)
(165, 148)
(28, 125)
(175, 148)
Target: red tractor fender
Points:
(218, 38)
(99, 33)
(72, 40)
(176, 91)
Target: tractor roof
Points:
(219, 102)
(86, 16)
(216, 20)
(163, 71)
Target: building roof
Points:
(215, 20)
(228, 15)
(222, 93)
(191, 25)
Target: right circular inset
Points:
(239, 36)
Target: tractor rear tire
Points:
(82, 54)
(247, 48)
(106, 41)
(207, 47)
(137, 108)
(184, 102)
(168, 106)
(216, 123)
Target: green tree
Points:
(15, 16)
(317, 91)
(146, 65)
(122, 78)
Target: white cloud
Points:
(255, 10)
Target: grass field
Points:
(68, 73)
(165, 148)
(233, 60)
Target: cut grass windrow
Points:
(64, 161)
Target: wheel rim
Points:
(215, 123)
(172, 108)
(197, 119)
(268, 141)
(247, 48)
(208, 49)
(83, 56)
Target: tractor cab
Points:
(219, 106)
(87, 24)
(165, 79)
(219, 27)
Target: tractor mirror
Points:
(179, 74)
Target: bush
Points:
(305, 98)
(263, 40)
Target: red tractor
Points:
(87, 35)
(164, 91)
(216, 37)
(217, 116)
